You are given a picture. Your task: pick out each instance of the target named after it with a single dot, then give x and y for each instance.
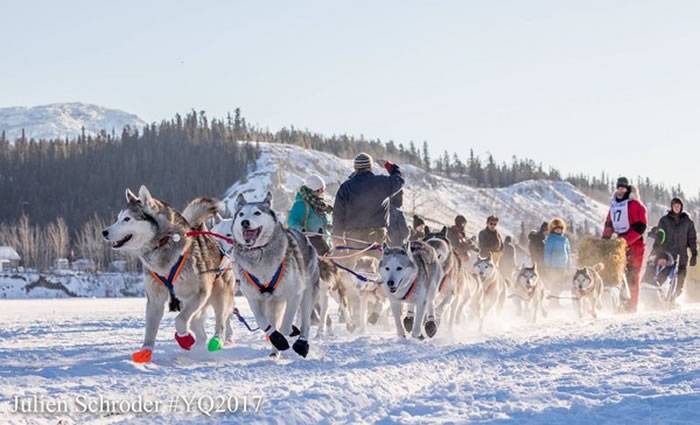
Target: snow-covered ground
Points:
(282, 169)
(642, 369)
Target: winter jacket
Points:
(490, 242)
(557, 251)
(362, 201)
(508, 260)
(536, 246)
(458, 238)
(630, 226)
(398, 228)
(679, 236)
(304, 218)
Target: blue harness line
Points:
(352, 272)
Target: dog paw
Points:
(142, 356)
(274, 355)
(373, 318)
(229, 342)
(301, 347)
(295, 331)
(185, 341)
(279, 341)
(430, 328)
(420, 337)
(408, 323)
(215, 344)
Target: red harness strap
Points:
(444, 279)
(410, 291)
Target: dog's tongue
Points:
(250, 234)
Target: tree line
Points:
(74, 187)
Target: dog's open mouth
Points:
(251, 235)
(120, 243)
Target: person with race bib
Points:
(627, 219)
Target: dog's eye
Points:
(387, 268)
(398, 269)
(127, 218)
(240, 214)
(257, 213)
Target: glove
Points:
(613, 236)
(694, 260)
(389, 166)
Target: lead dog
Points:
(411, 275)
(528, 293)
(279, 273)
(182, 269)
(587, 288)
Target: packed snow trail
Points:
(633, 369)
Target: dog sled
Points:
(661, 278)
(612, 253)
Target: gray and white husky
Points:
(279, 273)
(588, 288)
(411, 275)
(492, 288)
(182, 269)
(456, 287)
(528, 293)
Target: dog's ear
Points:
(534, 267)
(145, 197)
(385, 247)
(130, 196)
(426, 230)
(443, 232)
(240, 201)
(268, 200)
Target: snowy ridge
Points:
(282, 169)
(64, 120)
(70, 284)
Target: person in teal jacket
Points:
(310, 213)
(557, 249)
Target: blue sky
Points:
(582, 86)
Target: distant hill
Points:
(64, 120)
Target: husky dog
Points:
(411, 275)
(176, 267)
(456, 287)
(279, 273)
(528, 292)
(588, 289)
(492, 288)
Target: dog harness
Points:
(407, 296)
(444, 279)
(272, 284)
(175, 270)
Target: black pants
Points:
(682, 272)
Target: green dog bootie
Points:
(215, 344)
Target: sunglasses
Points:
(493, 223)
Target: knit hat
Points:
(417, 221)
(460, 220)
(315, 182)
(623, 182)
(363, 161)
